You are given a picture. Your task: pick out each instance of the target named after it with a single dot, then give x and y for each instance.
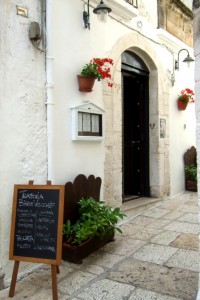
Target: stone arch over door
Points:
(158, 108)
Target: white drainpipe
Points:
(49, 89)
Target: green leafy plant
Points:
(191, 172)
(95, 219)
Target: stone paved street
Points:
(156, 257)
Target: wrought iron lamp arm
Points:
(101, 11)
(187, 59)
(86, 16)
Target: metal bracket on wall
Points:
(152, 125)
(35, 35)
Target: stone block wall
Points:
(176, 18)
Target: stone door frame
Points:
(158, 109)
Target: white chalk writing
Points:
(44, 248)
(27, 238)
(23, 246)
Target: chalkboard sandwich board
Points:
(36, 226)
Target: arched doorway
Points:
(158, 107)
(135, 112)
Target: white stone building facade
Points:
(196, 10)
(39, 91)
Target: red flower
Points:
(98, 68)
(186, 95)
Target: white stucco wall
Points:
(182, 126)
(70, 53)
(23, 111)
(23, 152)
(196, 7)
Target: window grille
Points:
(134, 3)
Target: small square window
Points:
(87, 122)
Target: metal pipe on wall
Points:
(49, 89)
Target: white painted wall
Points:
(71, 52)
(23, 112)
(196, 7)
(182, 127)
(23, 152)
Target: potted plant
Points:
(191, 177)
(186, 96)
(95, 226)
(97, 68)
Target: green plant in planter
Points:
(191, 172)
(95, 219)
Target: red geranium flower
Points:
(186, 95)
(98, 68)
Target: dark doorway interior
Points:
(135, 129)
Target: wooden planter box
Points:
(191, 186)
(75, 254)
(81, 187)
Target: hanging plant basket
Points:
(85, 83)
(182, 105)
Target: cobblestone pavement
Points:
(156, 257)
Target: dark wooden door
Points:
(135, 135)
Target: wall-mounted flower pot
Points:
(85, 83)
(182, 105)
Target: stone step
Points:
(136, 206)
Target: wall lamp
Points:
(188, 59)
(101, 11)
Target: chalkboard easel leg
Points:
(14, 279)
(54, 282)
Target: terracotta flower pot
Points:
(85, 83)
(182, 105)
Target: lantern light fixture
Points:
(102, 11)
(188, 59)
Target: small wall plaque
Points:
(22, 11)
(162, 128)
